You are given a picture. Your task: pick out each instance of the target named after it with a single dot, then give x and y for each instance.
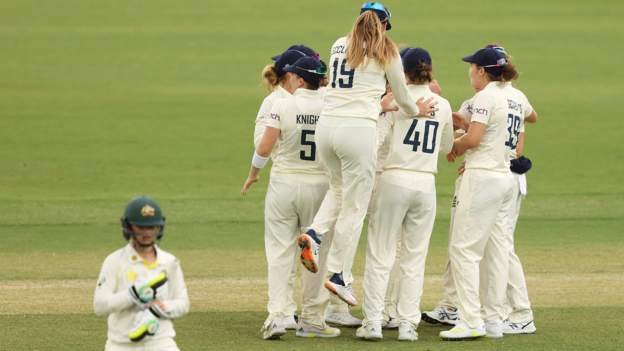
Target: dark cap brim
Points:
(276, 57)
(469, 59)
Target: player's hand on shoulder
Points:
(427, 107)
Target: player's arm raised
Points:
(396, 78)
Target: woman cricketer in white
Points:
(274, 78)
(520, 317)
(483, 201)
(360, 63)
(404, 204)
(141, 287)
(297, 186)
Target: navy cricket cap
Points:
(413, 57)
(287, 58)
(382, 12)
(489, 58)
(308, 68)
(308, 51)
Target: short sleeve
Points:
(465, 110)
(527, 107)
(275, 115)
(482, 108)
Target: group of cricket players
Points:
(360, 136)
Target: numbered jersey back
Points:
(416, 142)
(518, 108)
(297, 117)
(351, 92)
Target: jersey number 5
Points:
(310, 143)
(343, 72)
(415, 142)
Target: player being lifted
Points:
(520, 317)
(297, 186)
(359, 65)
(141, 287)
(404, 203)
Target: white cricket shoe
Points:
(310, 244)
(311, 331)
(370, 331)
(519, 328)
(289, 322)
(272, 330)
(441, 315)
(461, 331)
(337, 286)
(344, 319)
(494, 329)
(407, 332)
(392, 323)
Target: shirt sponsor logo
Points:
(307, 119)
(481, 111)
(275, 116)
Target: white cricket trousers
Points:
(290, 204)
(517, 292)
(405, 207)
(166, 344)
(479, 233)
(449, 293)
(348, 150)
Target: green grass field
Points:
(104, 100)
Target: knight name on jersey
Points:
(307, 119)
(515, 106)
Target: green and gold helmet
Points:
(142, 211)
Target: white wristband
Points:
(258, 161)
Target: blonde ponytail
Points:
(269, 77)
(367, 40)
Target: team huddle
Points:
(364, 140)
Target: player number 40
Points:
(413, 136)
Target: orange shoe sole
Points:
(307, 258)
(331, 289)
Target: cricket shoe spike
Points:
(272, 329)
(311, 331)
(370, 331)
(441, 315)
(519, 328)
(310, 243)
(461, 331)
(146, 326)
(343, 319)
(337, 286)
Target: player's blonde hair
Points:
(270, 79)
(367, 40)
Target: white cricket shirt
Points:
(296, 117)
(356, 93)
(123, 268)
(416, 142)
